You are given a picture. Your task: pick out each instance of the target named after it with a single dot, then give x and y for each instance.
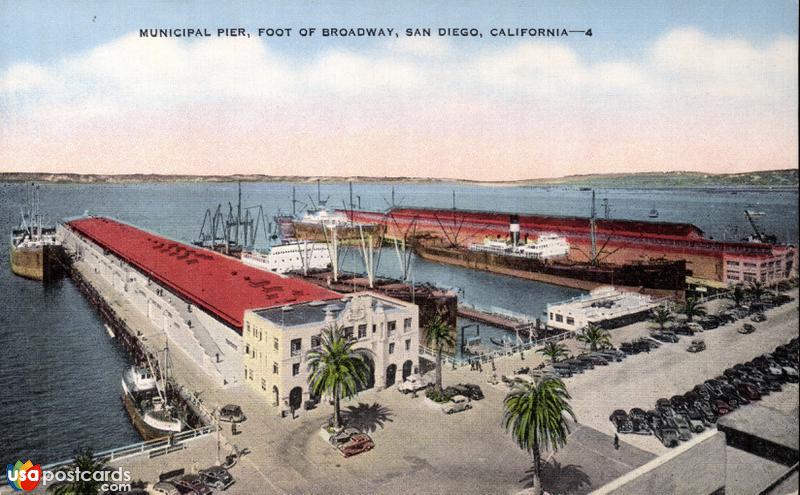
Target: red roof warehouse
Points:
(216, 283)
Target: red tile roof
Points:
(221, 285)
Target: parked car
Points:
(709, 322)
(358, 443)
(217, 477)
(414, 383)
(193, 485)
(683, 330)
(667, 337)
(166, 488)
(709, 416)
(667, 434)
(594, 359)
(695, 326)
(639, 421)
(621, 421)
(682, 425)
(746, 328)
(749, 391)
(457, 404)
(720, 407)
(697, 345)
(342, 437)
(231, 413)
(758, 317)
(470, 390)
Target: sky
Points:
(659, 86)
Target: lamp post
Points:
(216, 418)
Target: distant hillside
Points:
(770, 178)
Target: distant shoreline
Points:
(775, 179)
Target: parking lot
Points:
(421, 450)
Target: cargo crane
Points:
(759, 235)
(231, 233)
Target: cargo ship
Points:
(35, 252)
(321, 225)
(599, 246)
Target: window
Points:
(315, 341)
(274, 368)
(259, 335)
(570, 320)
(407, 324)
(275, 343)
(295, 369)
(250, 374)
(390, 328)
(408, 344)
(247, 349)
(248, 328)
(374, 328)
(362, 331)
(348, 332)
(263, 384)
(559, 318)
(296, 345)
(391, 348)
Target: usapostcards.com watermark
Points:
(27, 476)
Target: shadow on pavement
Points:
(563, 479)
(365, 417)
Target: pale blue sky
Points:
(43, 31)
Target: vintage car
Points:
(357, 444)
(457, 404)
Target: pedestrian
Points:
(616, 441)
(480, 367)
(494, 368)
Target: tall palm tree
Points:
(553, 350)
(594, 336)
(85, 462)
(337, 369)
(535, 413)
(737, 295)
(692, 308)
(438, 336)
(662, 316)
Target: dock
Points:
(506, 322)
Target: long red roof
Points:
(219, 284)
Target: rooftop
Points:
(219, 284)
(314, 312)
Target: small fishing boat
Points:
(653, 213)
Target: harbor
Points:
(148, 306)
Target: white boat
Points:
(138, 380)
(546, 246)
(290, 257)
(653, 213)
(146, 403)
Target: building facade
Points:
(606, 307)
(277, 342)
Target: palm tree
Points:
(737, 295)
(594, 336)
(535, 413)
(337, 369)
(438, 336)
(756, 289)
(662, 316)
(85, 462)
(692, 308)
(553, 350)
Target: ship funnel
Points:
(513, 228)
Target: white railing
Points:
(158, 446)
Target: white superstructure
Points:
(605, 306)
(294, 256)
(544, 247)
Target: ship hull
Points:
(345, 234)
(658, 276)
(146, 431)
(36, 263)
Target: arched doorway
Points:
(296, 398)
(408, 367)
(276, 396)
(370, 382)
(391, 371)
